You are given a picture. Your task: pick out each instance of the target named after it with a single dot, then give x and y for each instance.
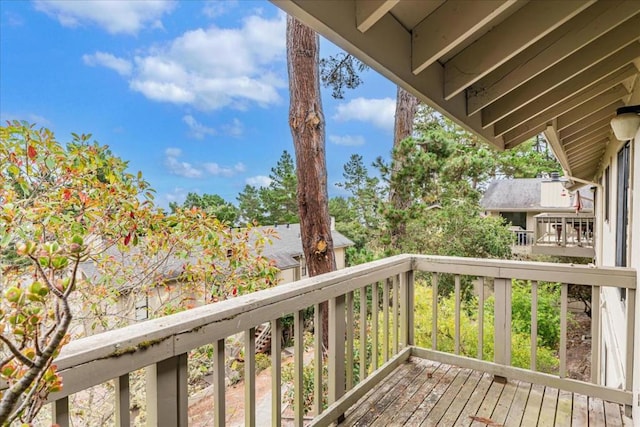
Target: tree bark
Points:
(307, 129)
(406, 108)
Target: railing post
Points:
(630, 350)
(404, 311)
(411, 292)
(502, 332)
(219, 368)
(276, 362)
(337, 330)
(318, 353)
(171, 392)
(564, 232)
(250, 377)
(60, 412)
(595, 335)
(123, 418)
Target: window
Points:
(518, 219)
(142, 307)
(606, 194)
(622, 210)
(303, 266)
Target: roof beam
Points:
(584, 111)
(604, 113)
(578, 32)
(368, 12)
(524, 137)
(588, 78)
(586, 144)
(599, 51)
(609, 83)
(551, 136)
(448, 26)
(588, 131)
(588, 163)
(522, 29)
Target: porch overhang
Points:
(506, 70)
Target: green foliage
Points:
(341, 71)
(213, 204)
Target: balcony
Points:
(564, 234)
(399, 383)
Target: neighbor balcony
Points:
(564, 234)
(372, 314)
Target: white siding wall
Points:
(635, 263)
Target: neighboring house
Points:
(536, 208)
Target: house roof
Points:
(524, 195)
(505, 70)
(289, 245)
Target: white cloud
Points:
(115, 16)
(216, 170)
(177, 167)
(119, 65)
(177, 195)
(258, 181)
(215, 8)
(350, 140)
(235, 128)
(197, 129)
(216, 67)
(32, 118)
(379, 112)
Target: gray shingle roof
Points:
(523, 194)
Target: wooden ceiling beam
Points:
(449, 26)
(596, 127)
(602, 51)
(608, 87)
(603, 113)
(615, 64)
(562, 42)
(526, 26)
(368, 12)
(586, 147)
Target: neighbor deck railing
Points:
(371, 315)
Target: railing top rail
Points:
(582, 215)
(591, 275)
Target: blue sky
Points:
(194, 94)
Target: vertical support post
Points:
(564, 232)
(151, 392)
(276, 362)
(218, 384)
(394, 314)
(456, 327)
(374, 324)
(349, 335)
(172, 396)
(385, 320)
(318, 333)
(250, 377)
(481, 318)
(434, 312)
(122, 401)
(534, 325)
(502, 333)
(337, 330)
(595, 335)
(363, 334)
(411, 292)
(298, 368)
(630, 350)
(404, 311)
(60, 412)
(564, 307)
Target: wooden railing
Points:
(371, 327)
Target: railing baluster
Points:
(534, 324)
(411, 307)
(595, 334)
(60, 409)
(363, 333)
(123, 418)
(630, 349)
(563, 329)
(317, 359)
(171, 391)
(385, 320)
(349, 304)
(481, 318)
(394, 315)
(434, 312)
(250, 377)
(336, 348)
(298, 367)
(276, 362)
(502, 330)
(457, 315)
(218, 384)
(404, 311)
(374, 325)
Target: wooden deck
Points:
(426, 393)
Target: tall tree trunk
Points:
(406, 108)
(307, 129)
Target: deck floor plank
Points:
(547, 415)
(416, 394)
(455, 409)
(447, 398)
(516, 410)
(431, 400)
(563, 410)
(488, 404)
(422, 392)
